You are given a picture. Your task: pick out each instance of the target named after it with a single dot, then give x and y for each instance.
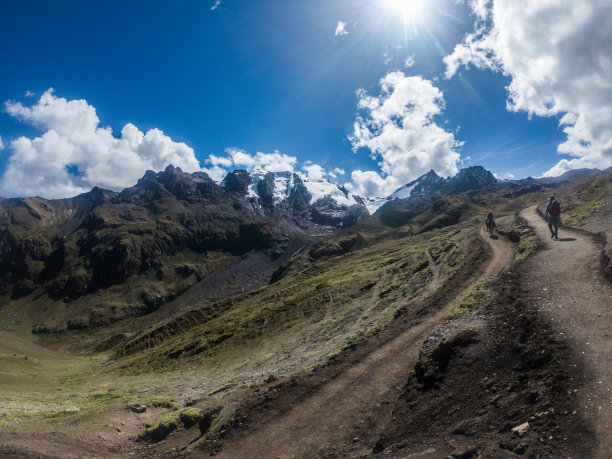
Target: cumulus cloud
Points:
(269, 162)
(399, 129)
(480, 8)
(1, 144)
(29, 94)
(216, 173)
(372, 184)
(341, 29)
(74, 153)
(215, 5)
(559, 58)
(314, 172)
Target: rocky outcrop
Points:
(237, 181)
(265, 189)
(326, 211)
(299, 197)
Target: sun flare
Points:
(407, 9)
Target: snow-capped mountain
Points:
(318, 200)
(471, 178)
(330, 204)
(424, 184)
(282, 184)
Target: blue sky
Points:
(286, 77)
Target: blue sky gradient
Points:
(259, 76)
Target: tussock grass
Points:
(527, 247)
(474, 300)
(160, 428)
(583, 211)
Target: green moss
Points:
(526, 248)
(476, 299)
(211, 423)
(160, 428)
(164, 402)
(581, 212)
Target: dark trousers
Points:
(553, 225)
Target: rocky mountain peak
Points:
(471, 178)
(98, 195)
(426, 183)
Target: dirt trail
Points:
(359, 399)
(567, 287)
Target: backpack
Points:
(555, 209)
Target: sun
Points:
(408, 10)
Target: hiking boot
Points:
(552, 235)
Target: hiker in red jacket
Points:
(553, 214)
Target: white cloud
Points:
(410, 61)
(216, 5)
(339, 171)
(314, 172)
(269, 162)
(506, 176)
(480, 8)
(341, 29)
(216, 173)
(219, 161)
(73, 141)
(399, 129)
(29, 94)
(371, 184)
(558, 55)
(1, 144)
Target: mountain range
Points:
(69, 248)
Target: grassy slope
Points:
(326, 300)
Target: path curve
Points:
(566, 285)
(316, 425)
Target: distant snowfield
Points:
(284, 183)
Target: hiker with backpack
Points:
(490, 223)
(553, 214)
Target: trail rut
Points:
(361, 396)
